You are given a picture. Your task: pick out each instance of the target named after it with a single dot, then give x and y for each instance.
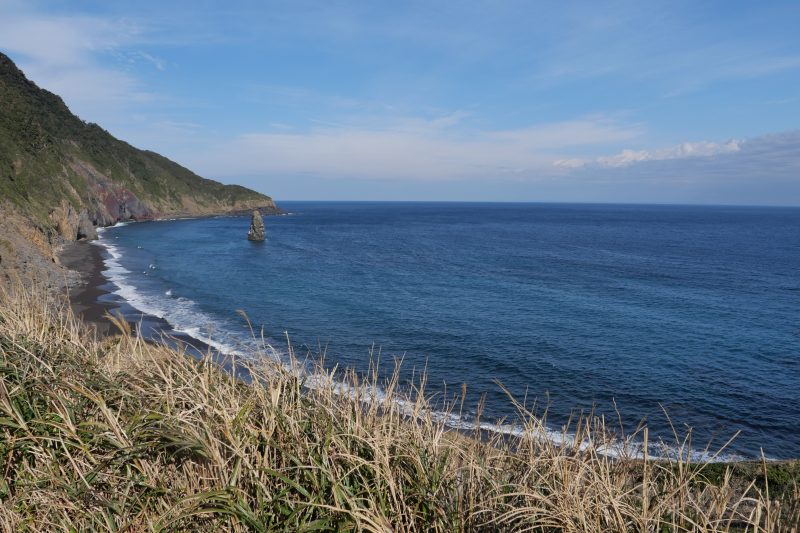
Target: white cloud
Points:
(629, 157)
(55, 41)
(415, 161)
(763, 170)
(569, 163)
(570, 133)
(406, 149)
(83, 59)
(153, 60)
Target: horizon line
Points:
(541, 202)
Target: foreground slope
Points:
(122, 435)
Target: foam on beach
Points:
(182, 314)
(185, 316)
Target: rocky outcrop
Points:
(65, 220)
(257, 232)
(109, 202)
(86, 229)
(28, 251)
(71, 225)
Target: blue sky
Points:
(673, 102)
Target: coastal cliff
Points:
(61, 177)
(62, 170)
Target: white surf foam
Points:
(184, 316)
(618, 449)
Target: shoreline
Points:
(92, 299)
(86, 259)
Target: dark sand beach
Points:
(85, 297)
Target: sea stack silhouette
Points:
(256, 231)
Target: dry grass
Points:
(123, 435)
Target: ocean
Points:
(633, 311)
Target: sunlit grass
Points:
(119, 434)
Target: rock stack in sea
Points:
(257, 231)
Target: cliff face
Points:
(69, 176)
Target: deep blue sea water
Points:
(696, 309)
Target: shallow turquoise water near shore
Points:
(693, 308)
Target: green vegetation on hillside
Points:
(122, 435)
(47, 155)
